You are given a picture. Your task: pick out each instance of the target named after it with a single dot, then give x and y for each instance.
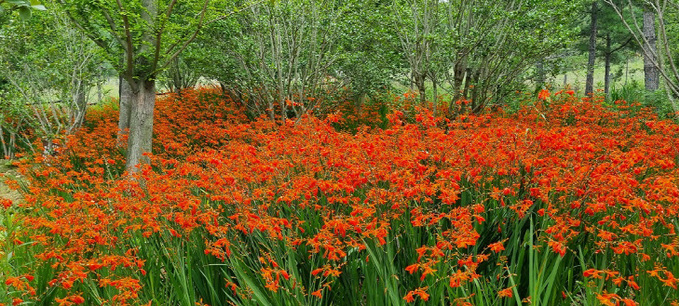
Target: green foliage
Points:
(141, 38)
(635, 92)
(23, 7)
(49, 70)
(481, 50)
(369, 58)
(276, 59)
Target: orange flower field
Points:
(566, 202)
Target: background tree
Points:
(148, 35)
(593, 28)
(49, 70)
(178, 76)
(615, 39)
(281, 60)
(417, 24)
(603, 41)
(495, 44)
(370, 59)
(661, 56)
(651, 79)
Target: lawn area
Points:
(631, 72)
(566, 202)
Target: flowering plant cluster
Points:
(574, 203)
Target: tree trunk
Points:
(222, 86)
(126, 96)
(5, 148)
(458, 78)
(474, 87)
(467, 87)
(651, 74)
(419, 80)
(589, 83)
(540, 75)
(141, 126)
(81, 107)
(434, 87)
(607, 73)
(100, 92)
(359, 100)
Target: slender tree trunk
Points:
(589, 83)
(141, 126)
(284, 111)
(467, 82)
(81, 106)
(607, 73)
(126, 96)
(100, 93)
(12, 144)
(272, 112)
(222, 86)
(475, 90)
(467, 87)
(359, 100)
(434, 87)
(651, 74)
(419, 79)
(5, 149)
(539, 74)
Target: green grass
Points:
(576, 78)
(108, 89)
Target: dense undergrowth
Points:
(574, 203)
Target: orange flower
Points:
(316, 271)
(593, 273)
(241, 184)
(412, 268)
(76, 299)
(507, 292)
(496, 247)
(420, 292)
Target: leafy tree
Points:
(369, 49)
(178, 76)
(210, 57)
(615, 39)
(593, 28)
(650, 31)
(280, 55)
(332, 43)
(49, 70)
(605, 41)
(23, 7)
(490, 46)
(417, 24)
(143, 37)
